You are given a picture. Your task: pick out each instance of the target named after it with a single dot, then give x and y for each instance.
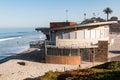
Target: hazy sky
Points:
(38, 13)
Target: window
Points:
(60, 36)
(102, 33)
(87, 34)
(66, 35)
(72, 35)
(97, 33)
(92, 34)
(106, 32)
(53, 37)
(81, 34)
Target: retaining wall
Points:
(74, 60)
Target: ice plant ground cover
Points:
(107, 71)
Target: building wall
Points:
(74, 60)
(61, 24)
(84, 37)
(75, 56)
(99, 54)
(67, 55)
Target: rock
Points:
(21, 63)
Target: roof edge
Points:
(87, 25)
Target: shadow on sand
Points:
(116, 58)
(35, 56)
(31, 79)
(115, 52)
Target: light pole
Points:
(66, 15)
(85, 16)
(94, 15)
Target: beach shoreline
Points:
(12, 68)
(23, 66)
(30, 63)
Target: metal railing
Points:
(66, 45)
(37, 44)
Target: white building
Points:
(70, 43)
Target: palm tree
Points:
(107, 11)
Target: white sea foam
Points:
(6, 39)
(5, 55)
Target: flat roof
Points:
(78, 26)
(40, 29)
(90, 25)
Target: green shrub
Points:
(63, 76)
(44, 78)
(109, 65)
(106, 75)
(70, 78)
(107, 71)
(49, 75)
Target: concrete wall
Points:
(101, 53)
(74, 60)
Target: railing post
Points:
(78, 50)
(45, 48)
(93, 56)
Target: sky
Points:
(39, 13)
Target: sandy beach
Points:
(11, 68)
(30, 63)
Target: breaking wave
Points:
(11, 38)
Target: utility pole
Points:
(66, 15)
(94, 15)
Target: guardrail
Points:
(78, 45)
(37, 44)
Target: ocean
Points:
(16, 40)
